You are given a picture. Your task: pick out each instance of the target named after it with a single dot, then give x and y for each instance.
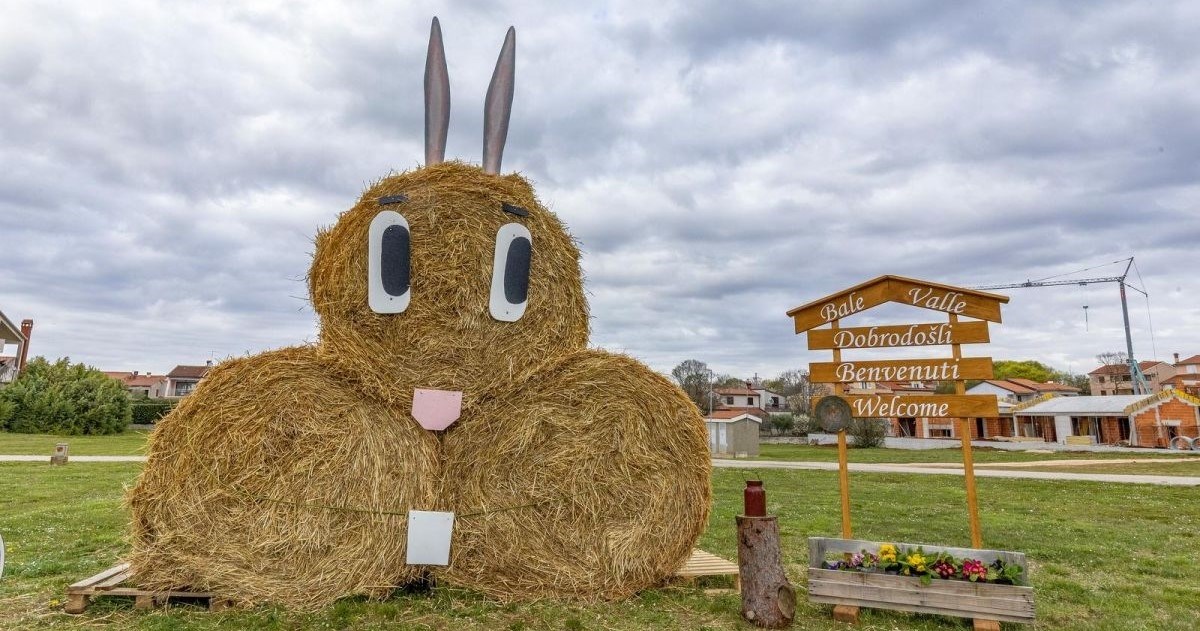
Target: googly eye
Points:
(388, 263)
(510, 273)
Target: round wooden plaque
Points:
(833, 413)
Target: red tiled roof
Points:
(741, 392)
(906, 386)
(188, 372)
(1012, 385)
(1123, 369)
(145, 380)
(1194, 359)
(1049, 386)
(726, 414)
(1182, 378)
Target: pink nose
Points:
(436, 410)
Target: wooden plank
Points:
(905, 593)
(945, 369)
(702, 563)
(922, 406)
(956, 300)
(134, 591)
(113, 581)
(925, 334)
(92, 580)
(936, 296)
(842, 304)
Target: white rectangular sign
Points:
(429, 537)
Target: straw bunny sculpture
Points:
(287, 476)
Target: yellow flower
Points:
(921, 567)
(887, 553)
(915, 559)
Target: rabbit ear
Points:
(437, 97)
(498, 106)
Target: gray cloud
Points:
(166, 169)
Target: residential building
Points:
(1113, 379)
(141, 384)
(10, 335)
(1187, 375)
(183, 379)
(739, 397)
(733, 432)
(1140, 420)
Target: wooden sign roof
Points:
(910, 291)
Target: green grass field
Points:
(130, 443)
(901, 456)
(1102, 556)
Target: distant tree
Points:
(694, 377)
(1079, 381)
(1113, 358)
(797, 389)
(64, 398)
(729, 381)
(1026, 369)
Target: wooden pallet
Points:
(108, 583)
(703, 563)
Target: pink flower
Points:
(974, 570)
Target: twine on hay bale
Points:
(286, 477)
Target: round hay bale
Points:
(446, 338)
(242, 489)
(588, 480)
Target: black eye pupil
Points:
(516, 271)
(394, 260)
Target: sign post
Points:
(835, 412)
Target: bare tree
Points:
(694, 377)
(1113, 358)
(799, 391)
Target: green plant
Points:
(782, 422)
(867, 433)
(926, 567)
(147, 411)
(64, 398)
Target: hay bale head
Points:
(225, 502)
(446, 337)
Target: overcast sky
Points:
(165, 166)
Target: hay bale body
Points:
(607, 460)
(595, 471)
(275, 427)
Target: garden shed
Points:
(733, 432)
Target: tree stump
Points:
(768, 599)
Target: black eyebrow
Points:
(514, 209)
(392, 199)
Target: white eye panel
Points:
(388, 263)
(510, 273)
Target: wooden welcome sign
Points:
(958, 303)
(955, 301)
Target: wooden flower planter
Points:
(987, 601)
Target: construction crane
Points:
(1140, 385)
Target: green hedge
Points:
(64, 398)
(147, 411)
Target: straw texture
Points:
(286, 476)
